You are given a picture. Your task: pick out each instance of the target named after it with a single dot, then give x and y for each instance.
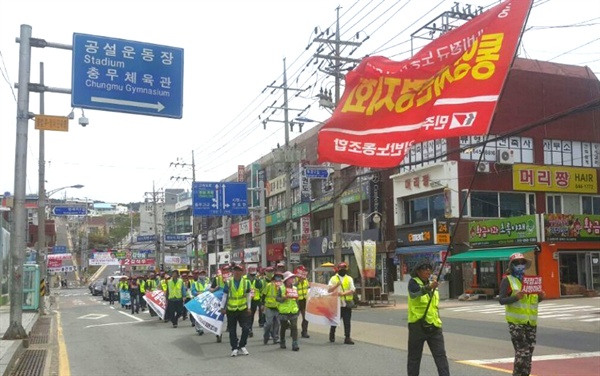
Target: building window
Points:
(554, 204)
(590, 205)
(571, 153)
(473, 146)
(424, 209)
(498, 204)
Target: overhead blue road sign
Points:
(120, 75)
(316, 172)
(145, 238)
(219, 198)
(69, 210)
(59, 249)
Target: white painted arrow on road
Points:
(153, 106)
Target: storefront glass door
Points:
(592, 267)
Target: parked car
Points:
(96, 287)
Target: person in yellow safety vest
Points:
(219, 282)
(343, 285)
(235, 304)
(199, 286)
(521, 310)
(271, 328)
(151, 286)
(176, 293)
(424, 324)
(263, 281)
(163, 285)
(255, 304)
(287, 296)
(188, 288)
(302, 286)
(142, 284)
(123, 288)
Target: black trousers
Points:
(143, 304)
(135, 302)
(302, 308)
(254, 306)
(233, 319)
(111, 297)
(346, 314)
(435, 341)
(174, 310)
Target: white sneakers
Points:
(241, 351)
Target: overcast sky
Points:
(233, 50)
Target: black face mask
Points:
(342, 272)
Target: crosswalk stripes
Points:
(546, 311)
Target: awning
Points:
(489, 254)
(416, 249)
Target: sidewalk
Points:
(10, 349)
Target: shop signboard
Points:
(571, 227)
(515, 230)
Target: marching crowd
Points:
(280, 296)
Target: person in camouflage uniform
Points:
(521, 311)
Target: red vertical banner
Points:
(448, 89)
(241, 175)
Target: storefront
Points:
(420, 242)
(320, 251)
(571, 250)
(493, 242)
(564, 250)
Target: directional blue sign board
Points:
(219, 198)
(316, 172)
(146, 238)
(59, 249)
(69, 210)
(126, 76)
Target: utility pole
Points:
(42, 250)
(156, 197)
(195, 219)
(338, 61)
(17, 240)
(289, 156)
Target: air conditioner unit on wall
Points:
(482, 167)
(506, 156)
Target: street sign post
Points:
(316, 172)
(69, 210)
(219, 198)
(120, 75)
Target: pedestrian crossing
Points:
(583, 313)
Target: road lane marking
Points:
(535, 358)
(64, 369)
(132, 316)
(110, 324)
(591, 320)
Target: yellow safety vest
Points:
(416, 307)
(142, 285)
(151, 284)
(256, 291)
(523, 311)
(288, 306)
(175, 289)
(271, 295)
(302, 289)
(345, 285)
(236, 298)
(200, 287)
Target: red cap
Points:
(342, 265)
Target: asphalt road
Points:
(98, 339)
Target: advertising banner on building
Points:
(554, 179)
(513, 230)
(571, 227)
